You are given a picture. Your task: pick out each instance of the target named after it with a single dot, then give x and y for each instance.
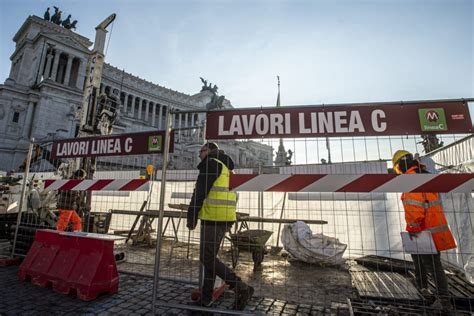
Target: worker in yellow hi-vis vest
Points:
(215, 206)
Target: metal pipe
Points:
(23, 191)
(189, 111)
(205, 309)
(162, 208)
(160, 278)
(339, 104)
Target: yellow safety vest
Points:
(220, 204)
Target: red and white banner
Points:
(411, 118)
(443, 183)
(97, 185)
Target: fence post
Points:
(23, 192)
(161, 209)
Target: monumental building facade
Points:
(43, 94)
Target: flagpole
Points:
(278, 105)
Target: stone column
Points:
(47, 70)
(132, 109)
(54, 72)
(41, 67)
(125, 102)
(153, 114)
(160, 116)
(140, 107)
(67, 76)
(147, 109)
(81, 74)
(186, 123)
(179, 122)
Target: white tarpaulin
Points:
(303, 245)
(458, 207)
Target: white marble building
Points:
(44, 91)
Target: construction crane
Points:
(90, 116)
(94, 122)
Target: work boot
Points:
(204, 302)
(243, 294)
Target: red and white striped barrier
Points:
(97, 185)
(452, 183)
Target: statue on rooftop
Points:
(67, 23)
(216, 101)
(73, 25)
(208, 87)
(204, 87)
(46, 15)
(56, 18)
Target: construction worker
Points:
(215, 206)
(68, 203)
(424, 212)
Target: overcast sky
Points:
(324, 51)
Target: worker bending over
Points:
(68, 203)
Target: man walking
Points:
(215, 206)
(424, 212)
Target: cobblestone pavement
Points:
(277, 278)
(134, 298)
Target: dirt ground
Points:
(276, 279)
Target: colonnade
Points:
(63, 67)
(150, 111)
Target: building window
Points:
(16, 117)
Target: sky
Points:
(325, 52)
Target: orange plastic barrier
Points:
(81, 262)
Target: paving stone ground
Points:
(134, 298)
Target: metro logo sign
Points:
(353, 120)
(432, 120)
(154, 143)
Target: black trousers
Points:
(431, 264)
(212, 234)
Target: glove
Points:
(191, 222)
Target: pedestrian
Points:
(424, 212)
(215, 206)
(68, 203)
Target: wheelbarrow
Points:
(252, 240)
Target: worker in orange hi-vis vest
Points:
(424, 212)
(68, 203)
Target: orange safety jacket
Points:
(423, 211)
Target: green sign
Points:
(154, 143)
(432, 120)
